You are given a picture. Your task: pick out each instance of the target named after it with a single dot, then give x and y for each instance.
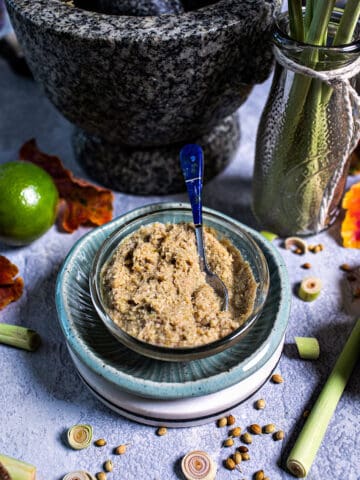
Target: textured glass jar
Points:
(300, 167)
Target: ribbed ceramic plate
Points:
(89, 339)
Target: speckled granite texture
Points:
(146, 81)
(41, 394)
(153, 170)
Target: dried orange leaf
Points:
(11, 288)
(84, 202)
(350, 227)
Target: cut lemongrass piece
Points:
(308, 348)
(79, 436)
(310, 289)
(17, 469)
(198, 465)
(20, 337)
(79, 475)
(305, 449)
(296, 244)
(268, 235)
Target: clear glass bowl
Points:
(239, 235)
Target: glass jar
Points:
(302, 147)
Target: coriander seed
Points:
(255, 429)
(101, 476)
(229, 442)
(120, 450)
(243, 449)
(161, 431)
(346, 267)
(245, 456)
(277, 378)
(279, 435)
(269, 428)
(259, 475)
(230, 464)
(108, 466)
(306, 265)
(231, 420)
(237, 458)
(222, 422)
(235, 432)
(260, 404)
(246, 438)
(101, 442)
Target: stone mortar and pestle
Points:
(139, 79)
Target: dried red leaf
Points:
(11, 288)
(84, 202)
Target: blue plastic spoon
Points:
(192, 165)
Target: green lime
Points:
(28, 202)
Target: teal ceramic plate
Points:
(99, 351)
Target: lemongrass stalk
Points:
(18, 470)
(308, 15)
(344, 35)
(296, 20)
(20, 337)
(307, 444)
(308, 348)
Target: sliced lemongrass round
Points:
(310, 289)
(268, 235)
(79, 436)
(79, 475)
(308, 348)
(198, 465)
(294, 243)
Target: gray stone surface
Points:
(145, 81)
(153, 170)
(41, 395)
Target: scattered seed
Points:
(277, 378)
(222, 422)
(101, 476)
(231, 420)
(311, 248)
(279, 435)
(266, 478)
(229, 442)
(317, 249)
(296, 244)
(243, 449)
(245, 456)
(230, 464)
(346, 267)
(306, 265)
(108, 466)
(161, 431)
(100, 442)
(246, 438)
(260, 404)
(120, 450)
(259, 475)
(306, 413)
(237, 458)
(269, 428)
(321, 246)
(235, 432)
(255, 429)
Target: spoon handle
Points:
(192, 165)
